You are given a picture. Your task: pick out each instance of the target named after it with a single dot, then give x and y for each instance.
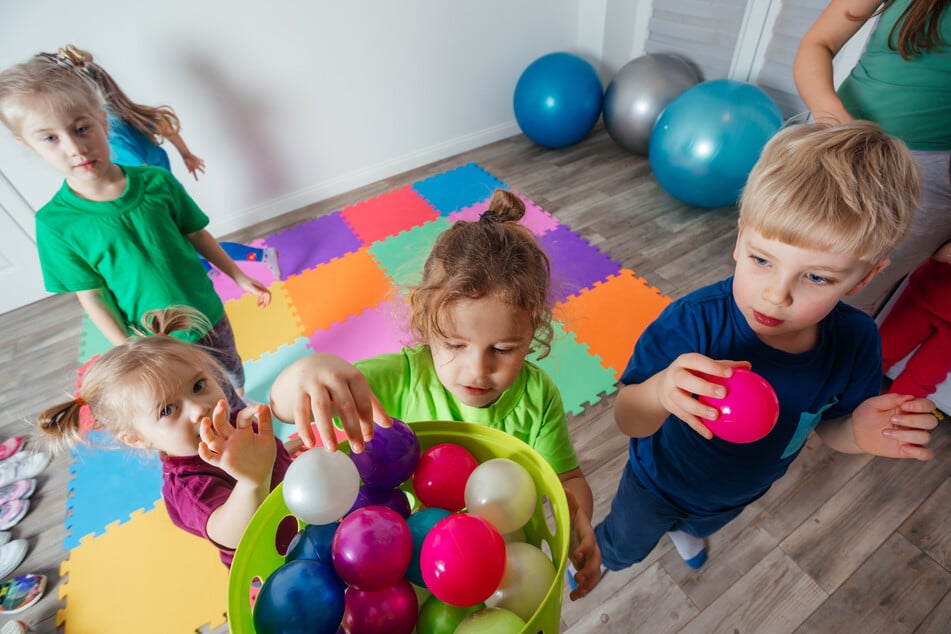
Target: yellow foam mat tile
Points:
(259, 330)
(112, 580)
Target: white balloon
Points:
(321, 486)
(529, 574)
(503, 492)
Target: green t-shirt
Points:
(910, 99)
(530, 410)
(134, 247)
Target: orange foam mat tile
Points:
(260, 330)
(610, 316)
(126, 580)
(336, 290)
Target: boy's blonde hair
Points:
(493, 256)
(850, 189)
(131, 375)
(42, 82)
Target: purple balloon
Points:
(372, 548)
(390, 458)
(391, 498)
(392, 610)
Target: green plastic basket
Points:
(257, 556)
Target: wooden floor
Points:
(840, 544)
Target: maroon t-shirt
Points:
(193, 489)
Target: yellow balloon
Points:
(491, 621)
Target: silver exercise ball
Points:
(639, 92)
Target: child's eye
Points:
(49, 139)
(452, 346)
(167, 410)
(817, 279)
(759, 261)
(82, 129)
(503, 350)
(200, 385)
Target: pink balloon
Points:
(392, 610)
(372, 548)
(462, 560)
(749, 410)
(441, 476)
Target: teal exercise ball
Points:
(707, 140)
(558, 100)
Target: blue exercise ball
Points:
(558, 100)
(707, 140)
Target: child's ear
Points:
(868, 278)
(131, 440)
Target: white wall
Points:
(290, 102)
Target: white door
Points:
(21, 281)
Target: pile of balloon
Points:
(453, 561)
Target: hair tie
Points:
(490, 215)
(80, 401)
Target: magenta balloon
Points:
(441, 476)
(390, 457)
(391, 610)
(749, 410)
(391, 498)
(462, 560)
(372, 548)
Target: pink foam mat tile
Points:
(226, 287)
(374, 331)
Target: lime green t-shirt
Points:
(530, 410)
(134, 247)
(910, 99)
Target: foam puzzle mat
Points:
(339, 292)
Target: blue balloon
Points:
(707, 140)
(558, 100)
(303, 596)
(420, 523)
(313, 542)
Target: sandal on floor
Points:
(12, 555)
(19, 490)
(21, 592)
(10, 446)
(11, 513)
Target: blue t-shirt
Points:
(128, 146)
(831, 380)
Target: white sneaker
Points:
(12, 555)
(4, 538)
(23, 465)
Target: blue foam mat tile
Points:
(110, 482)
(458, 188)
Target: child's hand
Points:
(246, 456)
(253, 286)
(584, 552)
(943, 254)
(679, 383)
(324, 386)
(894, 426)
(194, 164)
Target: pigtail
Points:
(60, 425)
(155, 123)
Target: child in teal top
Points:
(482, 305)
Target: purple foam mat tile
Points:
(575, 263)
(312, 243)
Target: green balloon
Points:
(491, 621)
(436, 617)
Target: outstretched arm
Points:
(321, 386)
(192, 162)
(812, 67)
(208, 247)
(100, 314)
(888, 425)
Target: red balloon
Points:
(749, 410)
(372, 548)
(462, 560)
(392, 610)
(441, 476)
